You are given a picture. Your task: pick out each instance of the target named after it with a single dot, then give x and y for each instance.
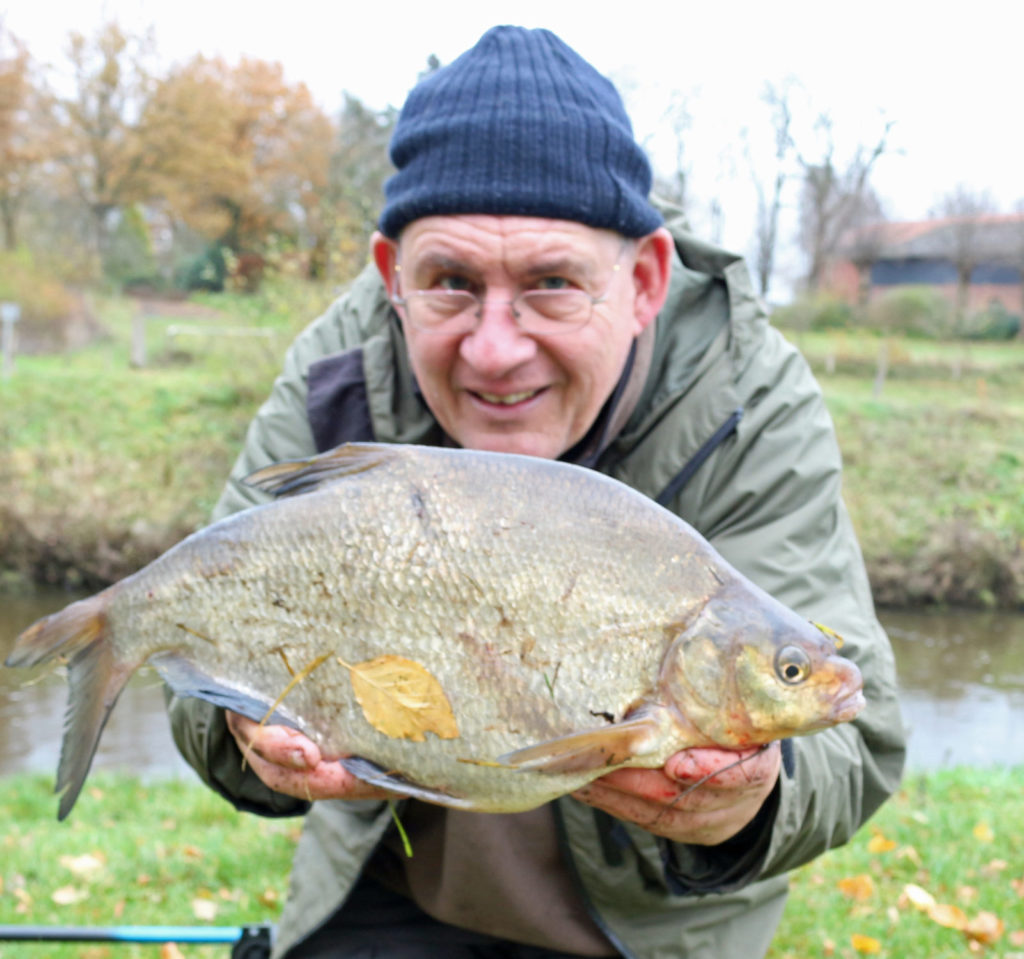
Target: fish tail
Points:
(77, 634)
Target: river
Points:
(961, 674)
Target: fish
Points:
(485, 631)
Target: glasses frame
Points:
(477, 314)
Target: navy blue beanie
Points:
(520, 124)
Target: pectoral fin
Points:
(635, 737)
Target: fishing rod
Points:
(248, 942)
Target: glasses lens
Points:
(547, 311)
(442, 310)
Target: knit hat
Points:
(520, 124)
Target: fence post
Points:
(138, 354)
(10, 313)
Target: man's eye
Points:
(553, 283)
(452, 283)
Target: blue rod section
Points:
(205, 934)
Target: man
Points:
(526, 297)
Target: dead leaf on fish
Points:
(402, 699)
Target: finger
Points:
(723, 768)
(279, 745)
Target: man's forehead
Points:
(478, 238)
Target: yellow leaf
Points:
(85, 866)
(919, 898)
(879, 843)
(865, 944)
(986, 927)
(857, 887)
(983, 832)
(952, 917)
(68, 895)
(170, 951)
(401, 699)
(204, 909)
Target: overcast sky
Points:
(949, 76)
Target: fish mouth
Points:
(848, 707)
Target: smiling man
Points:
(527, 297)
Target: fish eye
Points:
(792, 665)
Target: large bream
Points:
(480, 630)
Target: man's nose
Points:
(497, 344)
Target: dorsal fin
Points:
(303, 476)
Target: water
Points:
(961, 675)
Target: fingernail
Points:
(298, 759)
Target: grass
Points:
(170, 852)
(956, 834)
(167, 853)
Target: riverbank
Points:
(173, 853)
(104, 464)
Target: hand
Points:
(289, 763)
(657, 799)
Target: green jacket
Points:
(729, 396)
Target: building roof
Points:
(995, 237)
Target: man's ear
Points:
(385, 255)
(652, 270)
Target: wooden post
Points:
(10, 313)
(138, 356)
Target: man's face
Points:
(498, 387)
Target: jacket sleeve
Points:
(770, 501)
(280, 431)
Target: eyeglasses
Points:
(543, 312)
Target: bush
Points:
(912, 311)
(814, 311)
(45, 302)
(995, 322)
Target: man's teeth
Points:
(507, 399)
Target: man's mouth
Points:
(506, 399)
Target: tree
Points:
(20, 151)
(835, 198)
(965, 209)
(97, 134)
(769, 195)
(247, 155)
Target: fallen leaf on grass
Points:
(986, 928)
(983, 832)
(1017, 885)
(858, 888)
(68, 895)
(269, 898)
(919, 898)
(86, 866)
(204, 909)
(953, 917)
(170, 951)
(879, 843)
(402, 699)
(866, 945)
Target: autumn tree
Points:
(246, 153)
(97, 133)
(22, 150)
(835, 197)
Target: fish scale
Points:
(572, 625)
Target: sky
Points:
(947, 76)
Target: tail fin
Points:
(77, 634)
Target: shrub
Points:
(912, 311)
(814, 311)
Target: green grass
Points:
(956, 834)
(167, 853)
(161, 853)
